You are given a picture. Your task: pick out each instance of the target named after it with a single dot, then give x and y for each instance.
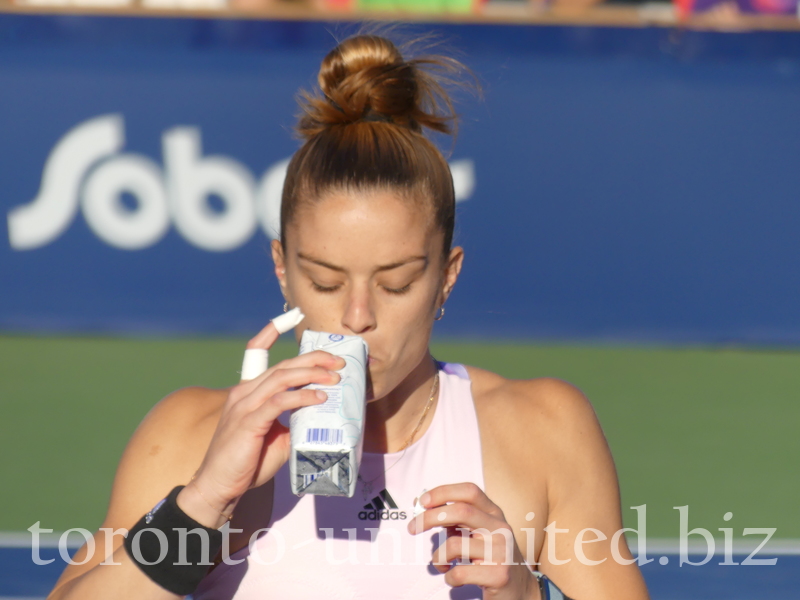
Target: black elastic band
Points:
(171, 548)
(376, 117)
(370, 116)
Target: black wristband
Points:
(167, 546)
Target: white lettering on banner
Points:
(52, 211)
(191, 178)
(268, 198)
(463, 172)
(105, 214)
(87, 169)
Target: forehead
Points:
(372, 227)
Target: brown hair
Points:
(365, 130)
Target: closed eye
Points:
(398, 291)
(324, 289)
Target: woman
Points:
(517, 473)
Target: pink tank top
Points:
(359, 547)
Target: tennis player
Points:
(471, 485)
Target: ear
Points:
(280, 265)
(451, 271)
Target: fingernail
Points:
(322, 395)
(425, 499)
(412, 527)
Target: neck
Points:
(392, 419)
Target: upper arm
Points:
(157, 458)
(583, 500)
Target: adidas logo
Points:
(382, 508)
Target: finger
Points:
(459, 546)
(317, 358)
(467, 492)
(280, 324)
(493, 577)
(265, 338)
(284, 379)
(268, 412)
(458, 514)
(256, 354)
(255, 362)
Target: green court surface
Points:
(715, 429)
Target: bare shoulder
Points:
(554, 406)
(546, 423)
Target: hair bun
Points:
(367, 79)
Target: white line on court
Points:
(23, 539)
(780, 547)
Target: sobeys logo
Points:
(382, 508)
(87, 169)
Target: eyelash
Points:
(330, 290)
(323, 289)
(398, 291)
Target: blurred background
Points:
(627, 197)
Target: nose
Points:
(359, 313)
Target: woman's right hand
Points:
(250, 444)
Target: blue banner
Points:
(623, 184)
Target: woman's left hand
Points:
(476, 530)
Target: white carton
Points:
(327, 438)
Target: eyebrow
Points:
(388, 267)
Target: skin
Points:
(371, 264)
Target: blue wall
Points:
(629, 184)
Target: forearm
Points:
(126, 579)
(123, 581)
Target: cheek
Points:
(402, 350)
(404, 328)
